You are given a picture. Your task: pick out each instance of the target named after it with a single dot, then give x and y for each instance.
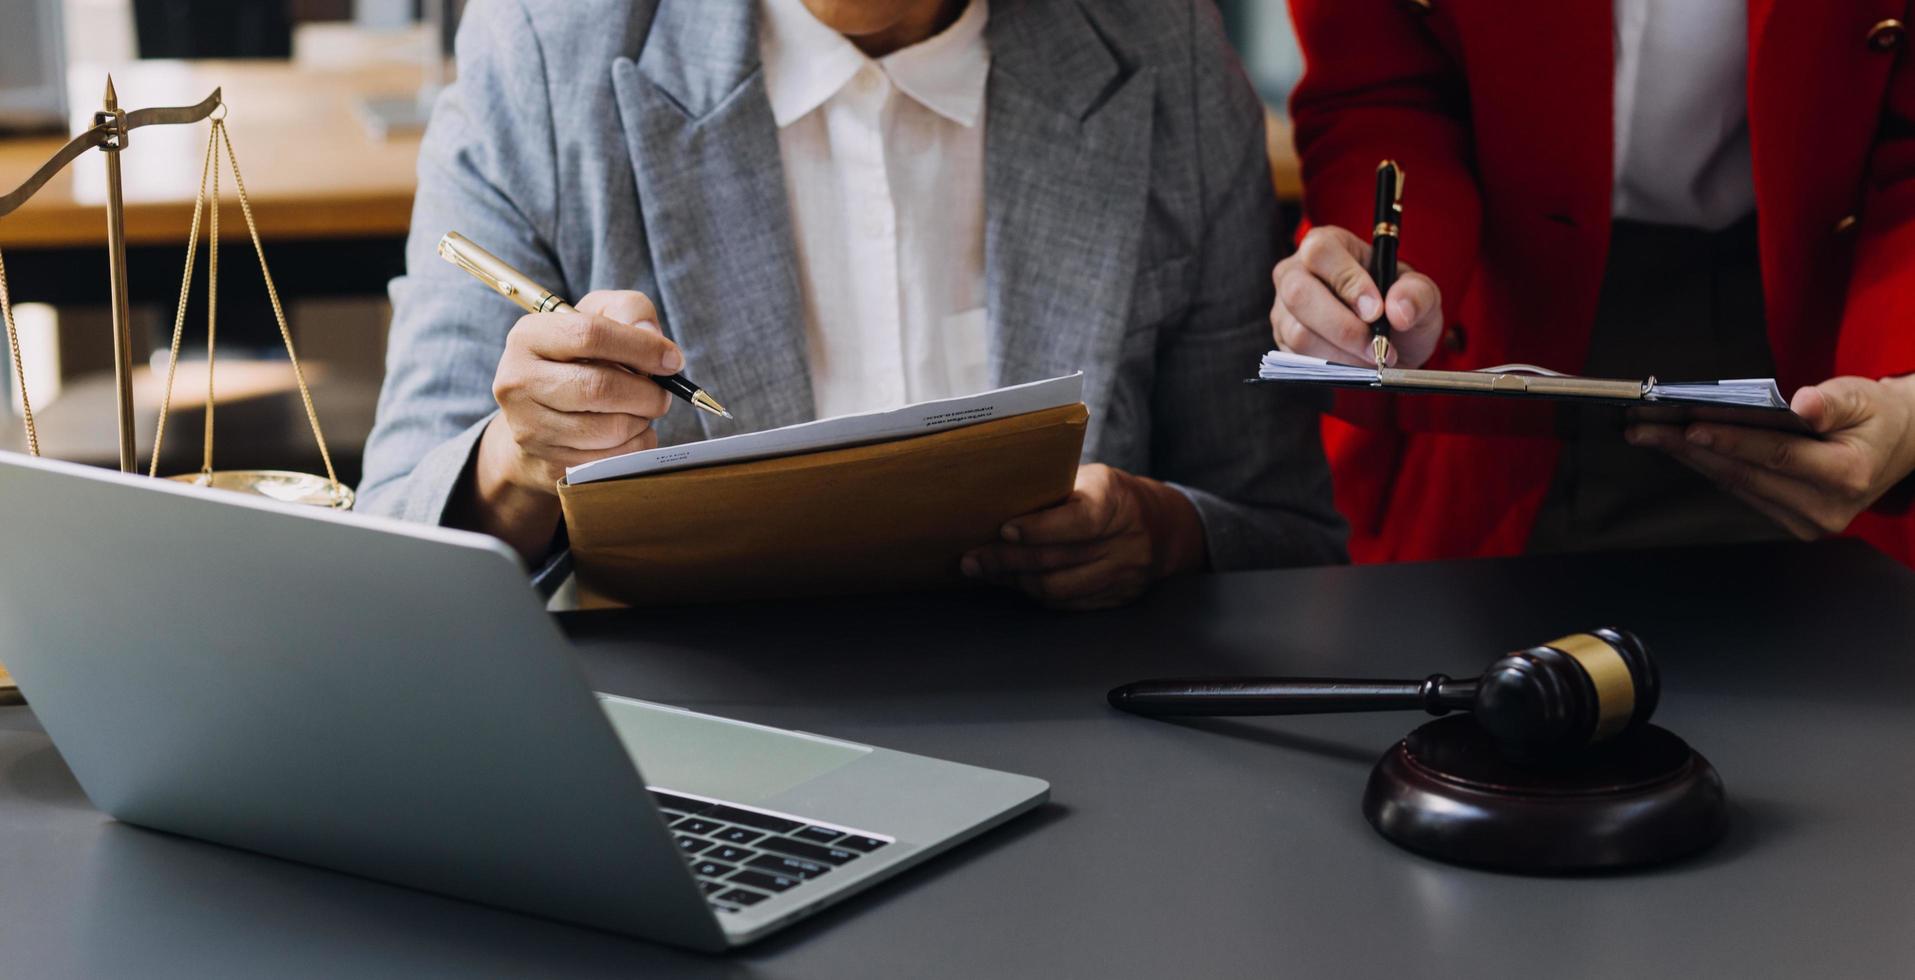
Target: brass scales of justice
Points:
(110, 132)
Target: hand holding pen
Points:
(573, 385)
(1331, 305)
(534, 298)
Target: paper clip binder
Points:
(1753, 401)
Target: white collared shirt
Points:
(1682, 112)
(884, 171)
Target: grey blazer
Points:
(629, 144)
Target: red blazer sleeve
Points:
(1377, 85)
(1877, 336)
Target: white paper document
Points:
(838, 433)
(1281, 365)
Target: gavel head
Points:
(1568, 693)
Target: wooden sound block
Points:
(1447, 791)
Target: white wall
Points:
(99, 31)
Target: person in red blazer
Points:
(1610, 185)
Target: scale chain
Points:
(212, 311)
(279, 312)
(179, 317)
(221, 137)
(19, 367)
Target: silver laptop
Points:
(393, 701)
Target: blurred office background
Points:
(109, 31)
(115, 30)
(319, 90)
(1262, 32)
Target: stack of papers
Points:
(1750, 392)
(1279, 365)
(837, 433)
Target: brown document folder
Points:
(892, 516)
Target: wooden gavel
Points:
(1562, 695)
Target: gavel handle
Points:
(1438, 694)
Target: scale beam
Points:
(112, 127)
(99, 136)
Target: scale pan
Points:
(284, 486)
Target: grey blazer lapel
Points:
(711, 187)
(1067, 170)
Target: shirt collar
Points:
(806, 63)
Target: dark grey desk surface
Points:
(1219, 849)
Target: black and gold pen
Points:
(534, 298)
(1383, 240)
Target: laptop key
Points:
(865, 844)
(738, 835)
(683, 804)
(712, 869)
(713, 886)
(739, 896)
(722, 907)
(696, 825)
(810, 852)
(692, 845)
(818, 835)
(731, 855)
(795, 867)
(762, 821)
(768, 882)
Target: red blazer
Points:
(1500, 112)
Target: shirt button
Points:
(1886, 36)
(868, 78)
(1455, 340)
(1846, 225)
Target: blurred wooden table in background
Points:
(312, 168)
(1286, 171)
(260, 422)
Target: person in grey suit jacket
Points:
(838, 205)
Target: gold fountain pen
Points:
(534, 298)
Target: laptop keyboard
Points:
(742, 857)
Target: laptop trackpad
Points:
(718, 757)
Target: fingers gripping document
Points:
(884, 501)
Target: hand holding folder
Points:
(841, 506)
(1813, 464)
(1116, 536)
(1857, 455)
